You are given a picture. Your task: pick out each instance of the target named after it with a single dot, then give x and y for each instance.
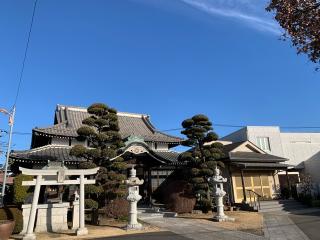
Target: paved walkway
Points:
(147, 236)
(294, 225)
(197, 230)
(278, 226)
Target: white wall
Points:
(60, 141)
(273, 133)
(162, 146)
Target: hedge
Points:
(12, 213)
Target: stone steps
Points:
(279, 205)
(148, 213)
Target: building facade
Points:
(149, 148)
(301, 149)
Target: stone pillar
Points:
(30, 235)
(75, 211)
(25, 216)
(133, 197)
(82, 230)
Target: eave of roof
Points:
(261, 165)
(45, 154)
(61, 153)
(254, 157)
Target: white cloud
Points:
(250, 12)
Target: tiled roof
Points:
(69, 119)
(45, 153)
(167, 155)
(261, 165)
(61, 153)
(254, 157)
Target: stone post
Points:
(29, 234)
(82, 230)
(75, 211)
(217, 180)
(133, 197)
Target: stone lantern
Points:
(133, 197)
(217, 180)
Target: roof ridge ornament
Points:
(134, 139)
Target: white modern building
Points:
(301, 148)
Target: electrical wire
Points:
(25, 53)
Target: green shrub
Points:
(118, 208)
(90, 203)
(20, 192)
(12, 214)
(315, 203)
(205, 205)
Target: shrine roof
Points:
(68, 119)
(61, 153)
(45, 153)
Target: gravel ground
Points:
(251, 222)
(108, 229)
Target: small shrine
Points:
(53, 215)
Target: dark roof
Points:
(254, 157)
(45, 153)
(69, 119)
(61, 153)
(169, 156)
(261, 165)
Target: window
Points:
(263, 143)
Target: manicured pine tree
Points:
(202, 157)
(101, 132)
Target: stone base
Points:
(29, 237)
(223, 219)
(137, 226)
(82, 231)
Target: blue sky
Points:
(170, 59)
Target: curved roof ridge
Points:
(84, 109)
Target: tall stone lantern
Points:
(133, 197)
(217, 181)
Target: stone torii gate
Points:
(60, 173)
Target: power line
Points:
(16, 133)
(25, 53)
(241, 126)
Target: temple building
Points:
(150, 147)
(251, 170)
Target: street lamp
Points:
(11, 121)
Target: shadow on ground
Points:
(148, 236)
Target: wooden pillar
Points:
(289, 185)
(149, 184)
(243, 187)
(231, 198)
(33, 211)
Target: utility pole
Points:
(11, 122)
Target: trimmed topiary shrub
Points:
(90, 203)
(117, 208)
(20, 192)
(12, 214)
(205, 205)
(180, 198)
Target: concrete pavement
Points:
(309, 223)
(147, 236)
(192, 229)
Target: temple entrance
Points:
(261, 183)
